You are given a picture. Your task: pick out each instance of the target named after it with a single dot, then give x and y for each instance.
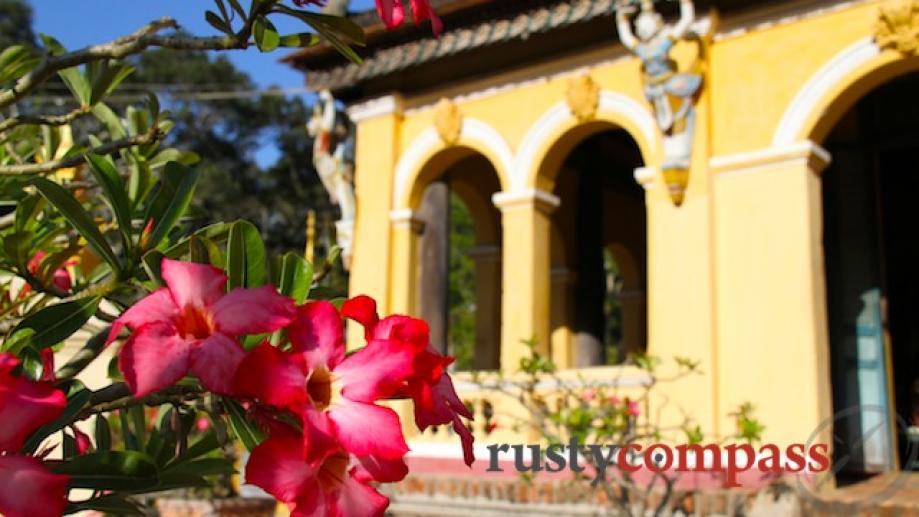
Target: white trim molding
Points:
(613, 107)
(645, 176)
(405, 218)
(543, 201)
(807, 102)
(805, 152)
(378, 107)
(474, 134)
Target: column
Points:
(771, 301)
(487, 260)
(525, 282)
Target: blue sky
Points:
(99, 21)
(77, 24)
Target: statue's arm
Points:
(624, 26)
(687, 16)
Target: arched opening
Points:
(871, 251)
(599, 274)
(458, 263)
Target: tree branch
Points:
(77, 159)
(139, 41)
(51, 120)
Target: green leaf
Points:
(32, 365)
(107, 176)
(301, 39)
(110, 119)
(52, 45)
(27, 211)
(16, 247)
(139, 423)
(203, 467)
(171, 201)
(342, 28)
(295, 278)
(103, 434)
(204, 445)
(105, 76)
(109, 470)
(266, 36)
(246, 259)
(75, 403)
(238, 8)
(247, 433)
(214, 20)
(15, 62)
(77, 84)
(71, 209)
(18, 339)
(55, 323)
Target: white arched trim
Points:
(828, 77)
(474, 134)
(614, 107)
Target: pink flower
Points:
(61, 278)
(589, 395)
(429, 385)
(190, 326)
(633, 409)
(202, 424)
(392, 12)
(327, 487)
(333, 395)
(613, 400)
(27, 488)
(82, 440)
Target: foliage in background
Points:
(461, 296)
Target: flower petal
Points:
(421, 10)
(466, 439)
(28, 489)
(24, 407)
(153, 358)
(215, 361)
(391, 12)
(368, 429)
(272, 377)
(277, 467)
(253, 311)
(199, 285)
(362, 309)
(357, 499)
(318, 434)
(412, 331)
(372, 468)
(157, 306)
(317, 332)
(376, 371)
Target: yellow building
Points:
(784, 259)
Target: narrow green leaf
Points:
(109, 470)
(32, 365)
(78, 84)
(246, 258)
(203, 467)
(130, 441)
(238, 8)
(103, 434)
(16, 247)
(139, 424)
(110, 119)
(27, 211)
(247, 433)
(55, 323)
(266, 36)
(204, 445)
(301, 39)
(108, 504)
(172, 200)
(113, 188)
(214, 20)
(295, 278)
(71, 209)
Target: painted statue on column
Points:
(672, 93)
(333, 158)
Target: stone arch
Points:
(837, 86)
(427, 157)
(556, 133)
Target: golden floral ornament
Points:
(448, 120)
(583, 97)
(897, 27)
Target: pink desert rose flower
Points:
(330, 486)
(335, 396)
(82, 440)
(27, 488)
(429, 385)
(392, 12)
(633, 409)
(190, 326)
(61, 278)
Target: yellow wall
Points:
(735, 273)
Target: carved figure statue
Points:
(333, 158)
(672, 93)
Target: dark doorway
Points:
(871, 247)
(600, 251)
